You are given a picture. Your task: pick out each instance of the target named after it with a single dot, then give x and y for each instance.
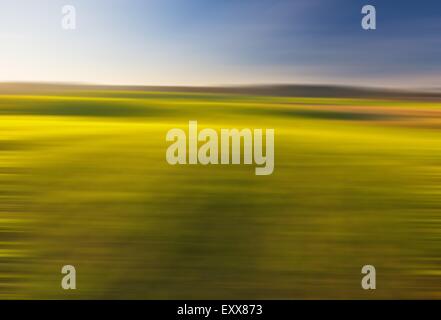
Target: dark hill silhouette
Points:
(284, 90)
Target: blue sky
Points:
(210, 42)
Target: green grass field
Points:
(84, 181)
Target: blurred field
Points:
(84, 181)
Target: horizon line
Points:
(230, 85)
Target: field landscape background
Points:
(84, 181)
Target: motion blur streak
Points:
(84, 181)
